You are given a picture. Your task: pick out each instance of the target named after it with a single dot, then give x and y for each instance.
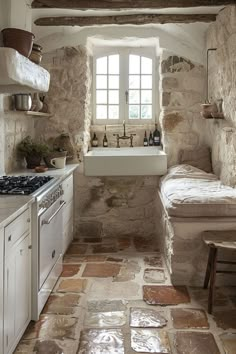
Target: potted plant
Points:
(32, 151)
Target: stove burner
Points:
(23, 185)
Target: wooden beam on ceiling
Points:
(126, 4)
(122, 20)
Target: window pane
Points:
(134, 96)
(146, 81)
(102, 65)
(113, 97)
(101, 82)
(134, 112)
(146, 65)
(134, 64)
(113, 112)
(146, 112)
(134, 81)
(146, 96)
(113, 64)
(101, 112)
(113, 81)
(101, 96)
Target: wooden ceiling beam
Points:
(122, 20)
(126, 4)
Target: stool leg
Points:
(208, 268)
(212, 281)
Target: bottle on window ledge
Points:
(94, 141)
(145, 139)
(105, 141)
(156, 136)
(150, 140)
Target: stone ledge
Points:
(19, 74)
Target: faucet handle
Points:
(132, 134)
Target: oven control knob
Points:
(47, 203)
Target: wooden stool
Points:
(216, 240)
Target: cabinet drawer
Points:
(16, 229)
(68, 189)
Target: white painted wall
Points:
(184, 39)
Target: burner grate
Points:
(22, 185)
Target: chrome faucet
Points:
(124, 137)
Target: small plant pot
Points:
(33, 161)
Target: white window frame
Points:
(124, 53)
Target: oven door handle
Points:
(53, 215)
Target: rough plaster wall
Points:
(182, 89)
(14, 127)
(68, 98)
(221, 135)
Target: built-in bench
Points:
(193, 201)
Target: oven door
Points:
(50, 239)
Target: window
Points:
(124, 86)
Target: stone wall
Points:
(182, 89)
(14, 127)
(221, 135)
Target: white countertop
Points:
(13, 205)
(60, 173)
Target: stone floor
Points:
(115, 297)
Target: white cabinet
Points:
(68, 212)
(17, 281)
(1, 289)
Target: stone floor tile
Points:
(225, 319)
(105, 319)
(127, 271)
(73, 259)
(105, 288)
(152, 275)
(144, 244)
(92, 239)
(106, 306)
(69, 270)
(195, 342)
(229, 342)
(62, 304)
(95, 258)
(53, 327)
(189, 318)
(149, 341)
(144, 318)
(101, 270)
(104, 249)
(115, 259)
(72, 285)
(76, 248)
(154, 261)
(165, 295)
(101, 341)
(124, 243)
(47, 346)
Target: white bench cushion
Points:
(187, 191)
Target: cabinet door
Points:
(1, 289)
(9, 302)
(22, 281)
(17, 293)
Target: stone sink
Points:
(126, 161)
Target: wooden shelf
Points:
(30, 113)
(38, 114)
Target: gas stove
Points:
(22, 185)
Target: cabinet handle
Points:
(9, 238)
(21, 252)
(53, 253)
(28, 220)
(30, 247)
